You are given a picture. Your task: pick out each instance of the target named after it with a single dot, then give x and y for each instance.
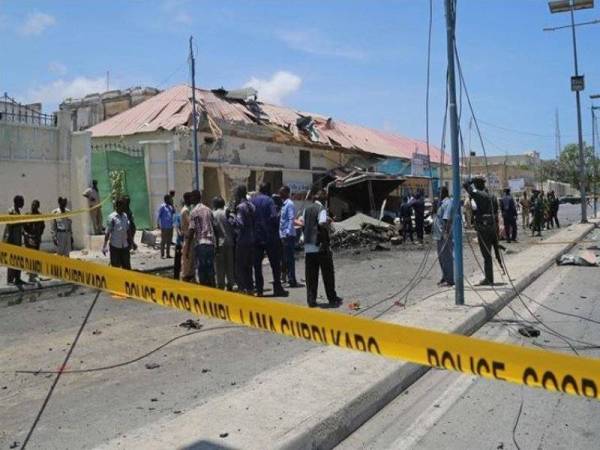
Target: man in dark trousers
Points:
(554, 205)
(509, 216)
(266, 240)
(485, 224)
(13, 234)
(317, 251)
(418, 206)
(117, 236)
(243, 223)
(32, 232)
(538, 213)
(406, 220)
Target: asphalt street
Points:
(448, 410)
(140, 365)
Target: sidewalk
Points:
(145, 259)
(319, 398)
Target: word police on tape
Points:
(527, 366)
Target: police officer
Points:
(485, 223)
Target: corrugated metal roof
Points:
(172, 108)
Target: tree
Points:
(568, 165)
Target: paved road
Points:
(447, 410)
(89, 408)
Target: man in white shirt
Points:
(118, 237)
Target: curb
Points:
(337, 425)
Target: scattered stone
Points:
(205, 370)
(191, 324)
(529, 331)
(177, 411)
(154, 399)
(223, 435)
(152, 365)
(15, 444)
(96, 332)
(582, 296)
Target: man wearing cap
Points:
(485, 223)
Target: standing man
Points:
(244, 247)
(187, 250)
(418, 205)
(406, 220)
(509, 216)
(118, 236)
(538, 213)
(13, 234)
(62, 230)
(442, 233)
(317, 252)
(165, 217)
(266, 237)
(33, 232)
(93, 198)
(554, 205)
(287, 233)
(485, 224)
(525, 210)
(202, 234)
(225, 245)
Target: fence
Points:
(13, 111)
(119, 162)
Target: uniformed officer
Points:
(486, 212)
(538, 213)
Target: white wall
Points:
(35, 162)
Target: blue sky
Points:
(359, 61)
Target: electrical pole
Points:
(194, 119)
(582, 177)
(594, 137)
(457, 232)
(557, 136)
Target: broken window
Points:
(304, 159)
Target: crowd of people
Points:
(224, 246)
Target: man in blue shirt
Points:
(442, 234)
(166, 214)
(266, 235)
(287, 233)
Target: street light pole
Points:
(559, 6)
(457, 231)
(194, 119)
(594, 132)
(582, 177)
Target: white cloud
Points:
(55, 92)
(177, 10)
(57, 68)
(36, 23)
(315, 43)
(274, 90)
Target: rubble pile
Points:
(363, 231)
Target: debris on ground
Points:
(191, 324)
(152, 365)
(361, 230)
(223, 435)
(354, 306)
(529, 331)
(586, 259)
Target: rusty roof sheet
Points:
(172, 108)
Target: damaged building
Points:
(244, 141)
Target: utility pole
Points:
(457, 231)
(470, 151)
(577, 85)
(194, 119)
(557, 136)
(594, 137)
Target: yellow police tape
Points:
(25, 218)
(531, 367)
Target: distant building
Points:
(519, 172)
(95, 108)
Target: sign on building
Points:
(516, 185)
(419, 166)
